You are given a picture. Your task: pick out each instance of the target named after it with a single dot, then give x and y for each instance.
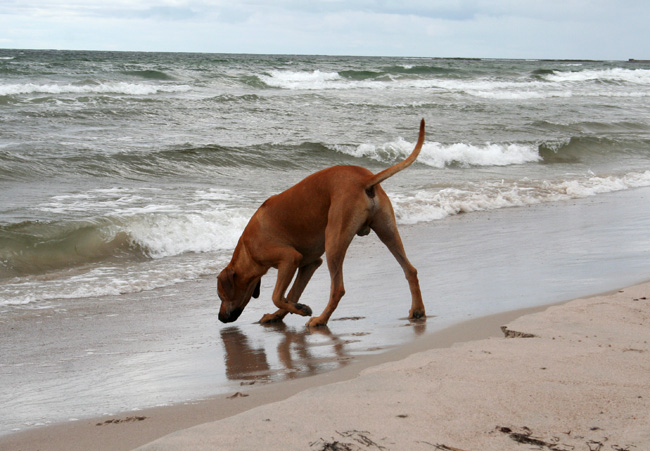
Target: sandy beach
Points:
(570, 376)
(574, 376)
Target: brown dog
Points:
(292, 230)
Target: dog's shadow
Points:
(300, 352)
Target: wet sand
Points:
(128, 430)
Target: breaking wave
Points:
(136, 89)
(430, 205)
(439, 155)
(637, 76)
(35, 247)
(544, 83)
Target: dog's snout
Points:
(229, 317)
(224, 318)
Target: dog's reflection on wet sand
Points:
(297, 354)
(300, 351)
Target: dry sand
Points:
(570, 377)
(573, 377)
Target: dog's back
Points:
(307, 204)
(304, 208)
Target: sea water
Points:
(123, 172)
(126, 176)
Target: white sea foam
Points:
(35, 292)
(137, 89)
(613, 94)
(165, 235)
(317, 80)
(94, 200)
(522, 94)
(638, 76)
(213, 194)
(439, 155)
(303, 80)
(560, 84)
(208, 220)
(431, 205)
(112, 202)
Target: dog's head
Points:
(235, 290)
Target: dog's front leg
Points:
(276, 317)
(304, 276)
(287, 268)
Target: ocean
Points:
(124, 174)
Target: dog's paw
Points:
(271, 318)
(316, 322)
(303, 309)
(417, 314)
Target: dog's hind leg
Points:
(304, 276)
(386, 229)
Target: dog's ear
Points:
(227, 281)
(256, 291)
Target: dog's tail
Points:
(383, 175)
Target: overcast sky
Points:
(591, 29)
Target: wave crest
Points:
(439, 155)
(137, 89)
(36, 248)
(540, 84)
(617, 74)
(300, 79)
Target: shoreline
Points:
(130, 429)
(205, 424)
